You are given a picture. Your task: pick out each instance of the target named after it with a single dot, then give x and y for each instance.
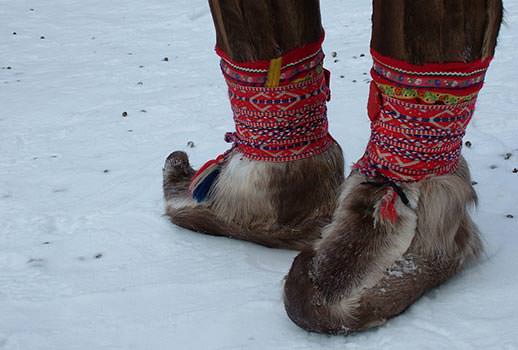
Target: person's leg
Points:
(402, 226)
(279, 184)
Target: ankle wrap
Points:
(419, 116)
(279, 106)
(279, 109)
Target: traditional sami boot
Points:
(402, 226)
(278, 184)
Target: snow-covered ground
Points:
(87, 261)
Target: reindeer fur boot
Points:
(403, 224)
(278, 184)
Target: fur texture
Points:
(281, 205)
(424, 31)
(367, 270)
(258, 30)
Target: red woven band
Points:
(283, 123)
(419, 116)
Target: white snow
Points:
(87, 261)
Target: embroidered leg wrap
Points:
(279, 109)
(419, 116)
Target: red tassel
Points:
(387, 208)
(203, 180)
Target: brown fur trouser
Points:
(416, 31)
